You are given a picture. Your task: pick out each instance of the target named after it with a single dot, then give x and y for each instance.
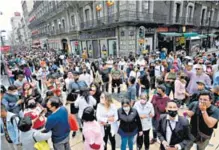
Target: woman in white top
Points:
(146, 111)
(107, 117)
(68, 80)
(84, 100)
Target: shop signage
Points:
(173, 30)
(150, 30)
(162, 29)
(76, 43)
(98, 34)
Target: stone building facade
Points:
(117, 27)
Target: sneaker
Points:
(153, 141)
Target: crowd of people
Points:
(173, 95)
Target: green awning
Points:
(190, 34)
(171, 34)
(212, 35)
(202, 36)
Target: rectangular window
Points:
(98, 15)
(145, 6)
(177, 12)
(63, 24)
(203, 17)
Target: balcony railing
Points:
(61, 31)
(122, 17)
(73, 28)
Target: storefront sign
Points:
(98, 34)
(76, 43)
(150, 30)
(173, 30)
(162, 29)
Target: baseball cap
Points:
(200, 82)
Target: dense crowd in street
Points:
(152, 88)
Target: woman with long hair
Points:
(93, 137)
(30, 93)
(84, 100)
(107, 117)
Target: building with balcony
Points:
(27, 6)
(15, 21)
(118, 27)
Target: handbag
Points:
(73, 122)
(42, 145)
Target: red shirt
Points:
(33, 113)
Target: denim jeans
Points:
(169, 89)
(125, 140)
(11, 80)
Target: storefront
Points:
(99, 43)
(145, 40)
(75, 47)
(54, 44)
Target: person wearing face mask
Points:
(58, 123)
(107, 117)
(204, 119)
(85, 76)
(11, 100)
(35, 111)
(146, 112)
(173, 130)
(130, 124)
(159, 102)
(180, 90)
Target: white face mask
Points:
(15, 93)
(126, 109)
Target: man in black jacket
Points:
(174, 130)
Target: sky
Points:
(8, 7)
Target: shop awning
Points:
(190, 34)
(212, 35)
(171, 34)
(195, 38)
(202, 36)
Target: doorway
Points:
(96, 50)
(65, 45)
